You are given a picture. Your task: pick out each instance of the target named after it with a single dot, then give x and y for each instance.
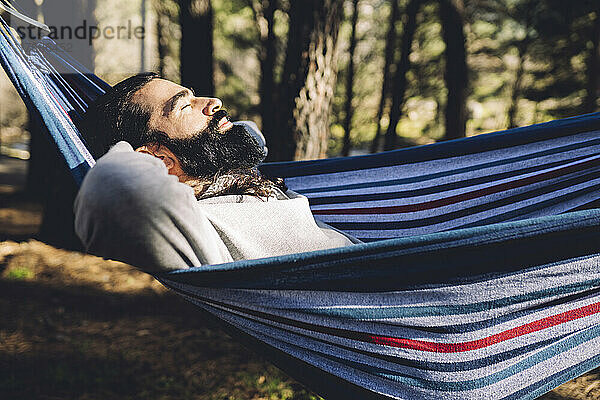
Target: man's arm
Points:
(130, 209)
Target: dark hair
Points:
(114, 117)
(238, 182)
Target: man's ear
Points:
(161, 152)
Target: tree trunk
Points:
(593, 69)
(143, 39)
(40, 155)
(390, 46)
(301, 24)
(313, 104)
(37, 179)
(456, 73)
(308, 80)
(58, 223)
(197, 70)
(522, 48)
(264, 13)
(161, 40)
(402, 68)
(516, 87)
(350, 82)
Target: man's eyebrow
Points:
(172, 102)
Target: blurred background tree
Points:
(309, 78)
(456, 71)
(196, 49)
(401, 69)
(324, 78)
(350, 81)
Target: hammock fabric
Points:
(480, 277)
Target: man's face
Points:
(200, 135)
(176, 111)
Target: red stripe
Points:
(59, 105)
(464, 196)
(490, 340)
(421, 345)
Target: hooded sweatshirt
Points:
(130, 209)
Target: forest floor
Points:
(74, 326)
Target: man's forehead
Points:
(156, 92)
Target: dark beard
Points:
(210, 152)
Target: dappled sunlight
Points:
(45, 264)
(68, 337)
(320, 79)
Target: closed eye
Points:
(186, 105)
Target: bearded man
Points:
(176, 184)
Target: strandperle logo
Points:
(83, 32)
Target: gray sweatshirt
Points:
(130, 209)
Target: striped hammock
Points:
(479, 276)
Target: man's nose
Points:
(212, 106)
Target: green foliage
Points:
(368, 78)
(531, 56)
(558, 73)
(168, 12)
(237, 67)
(19, 274)
(550, 37)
